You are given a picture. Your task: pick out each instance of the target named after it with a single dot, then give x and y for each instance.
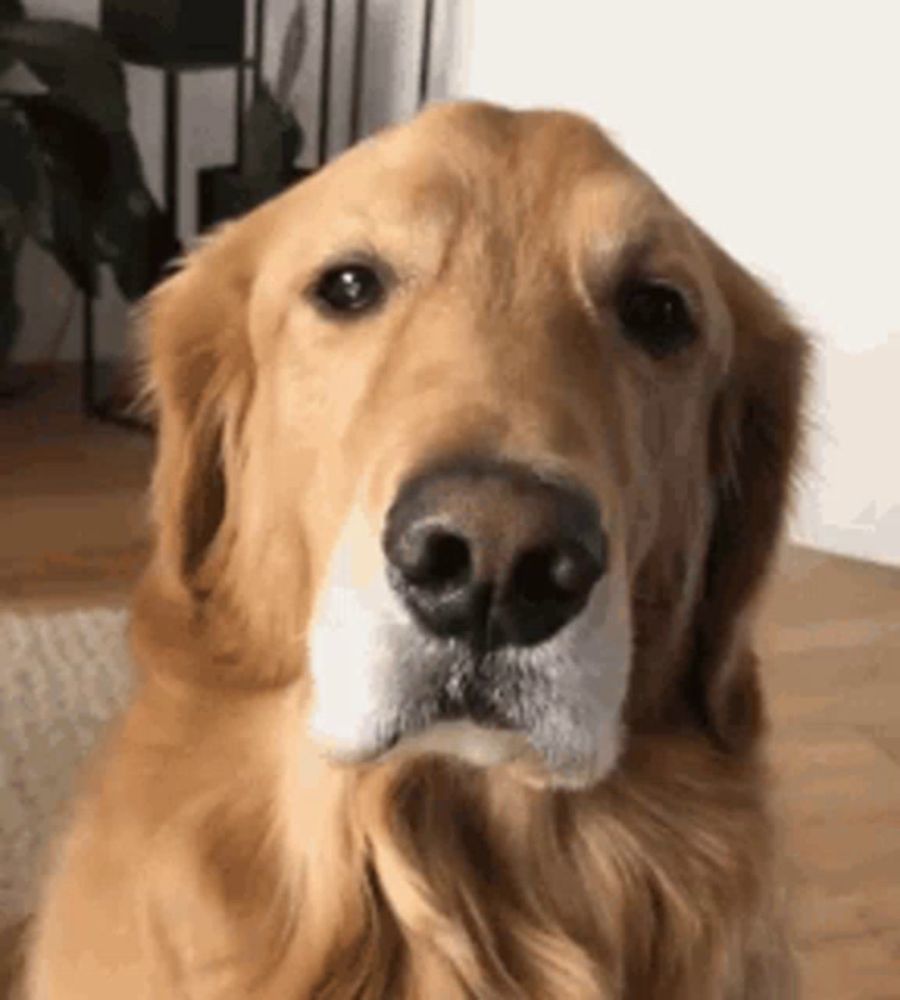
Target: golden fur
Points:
(213, 852)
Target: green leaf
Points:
(80, 68)
(64, 137)
(10, 314)
(273, 140)
(73, 157)
(119, 220)
(293, 50)
(17, 80)
(133, 235)
(97, 206)
(20, 169)
(72, 239)
(11, 10)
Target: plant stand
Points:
(96, 403)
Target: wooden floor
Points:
(72, 531)
(73, 509)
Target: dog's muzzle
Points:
(495, 608)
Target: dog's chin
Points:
(464, 740)
(503, 752)
(487, 743)
(470, 740)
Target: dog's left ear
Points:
(198, 379)
(754, 445)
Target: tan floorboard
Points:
(73, 531)
(73, 512)
(830, 633)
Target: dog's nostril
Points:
(438, 559)
(554, 574)
(448, 558)
(532, 578)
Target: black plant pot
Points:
(175, 32)
(224, 193)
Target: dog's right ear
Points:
(199, 382)
(756, 440)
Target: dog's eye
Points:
(349, 289)
(656, 316)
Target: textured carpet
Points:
(63, 676)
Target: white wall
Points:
(776, 125)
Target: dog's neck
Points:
(428, 877)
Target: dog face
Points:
(482, 441)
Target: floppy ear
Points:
(754, 443)
(199, 373)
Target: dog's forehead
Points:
(518, 158)
(537, 145)
(536, 179)
(487, 190)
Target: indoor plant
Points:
(271, 139)
(70, 174)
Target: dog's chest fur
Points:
(441, 884)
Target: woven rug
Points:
(63, 676)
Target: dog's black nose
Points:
(492, 554)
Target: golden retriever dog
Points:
(473, 455)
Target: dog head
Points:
(480, 441)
